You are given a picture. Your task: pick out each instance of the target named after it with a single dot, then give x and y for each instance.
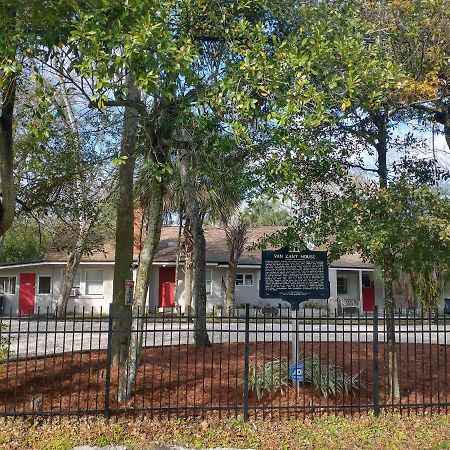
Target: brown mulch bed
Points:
(199, 381)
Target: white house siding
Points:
(99, 303)
(11, 301)
(153, 287)
(219, 274)
(379, 295)
(244, 294)
(217, 296)
(55, 271)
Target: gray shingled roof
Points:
(216, 249)
(216, 245)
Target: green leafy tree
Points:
(22, 39)
(403, 229)
(415, 35)
(253, 66)
(267, 213)
(394, 77)
(26, 239)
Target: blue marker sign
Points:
(296, 372)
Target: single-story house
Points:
(29, 287)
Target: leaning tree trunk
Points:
(194, 214)
(153, 233)
(83, 224)
(124, 230)
(71, 270)
(7, 188)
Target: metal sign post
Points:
(294, 358)
(294, 277)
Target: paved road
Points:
(39, 338)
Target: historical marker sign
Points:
(294, 276)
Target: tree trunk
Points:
(201, 335)
(84, 224)
(393, 380)
(71, 270)
(236, 236)
(7, 188)
(187, 297)
(177, 261)
(124, 230)
(447, 126)
(231, 287)
(188, 262)
(194, 214)
(153, 234)
(381, 121)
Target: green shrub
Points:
(269, 377)
(327, 378)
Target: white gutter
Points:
(51, 263)
(173, 264)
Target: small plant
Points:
(327, 378)
(269, 377)
(316, 306)
(313, 305)
(270, 311)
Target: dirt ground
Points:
(203, 382)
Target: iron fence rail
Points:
(51, 366)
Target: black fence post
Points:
(247, 360)
(376, 397)
(107, 410)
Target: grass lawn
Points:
(386, 432)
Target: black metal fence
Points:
(264, 363)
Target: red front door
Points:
(167, 287)
(27, 282)
(368, 293)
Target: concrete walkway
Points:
(31, 338)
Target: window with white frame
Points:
(44, 285)
(244, 279)
(342, 285)
(208, 277)
(7, 285)
(94, 282)
(76, 279)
